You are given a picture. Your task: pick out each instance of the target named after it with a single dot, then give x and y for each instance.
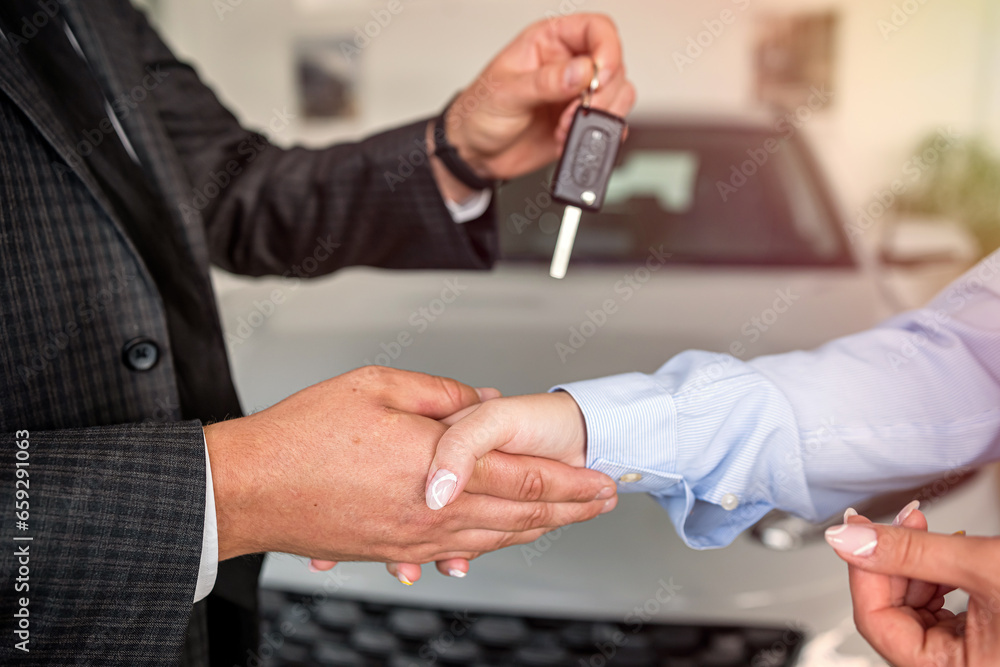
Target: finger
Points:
(935, 604)
(900, 585)
(479, 432)
(426, 395)
(453, 567)
(943, 590)
(593, 35)
(885, 626)
(622, 103)
(557, 81)
(870, 592)
(948, 559)
(472, 543)
(916, 593)
(474, 511)
(618, 98)
(488, 393)
(451, 420)
(316, 565)
(407, 573)
(529, 478)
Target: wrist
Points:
(573, 426)
(233, 495)
(457, 134)
(452, 189)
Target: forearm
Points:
(896, 406)
(115, 520)
(306, 212)
(720, 442)
(303, 213)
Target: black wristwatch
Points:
(458, 167)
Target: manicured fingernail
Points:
(403, 580)
(905, 512)
(854, 539)
(455, 572)
(959, 533)
(849, 512)
(441, 489)
(576, 72)
(609, 505)
(313, 568)
(605, 493)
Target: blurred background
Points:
(886, 187)
(897, 71)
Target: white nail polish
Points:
(403, 580)
(866, 549)
(441, 488)
(854, 539)
(455, 572)
(849, 512)
(905, 512)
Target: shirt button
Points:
(630, 477)
(140, 354)
(730, 502)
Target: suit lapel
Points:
(114, 64)
(20, 86)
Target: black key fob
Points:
(581, 179)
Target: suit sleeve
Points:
(107, 555)
(267, 210)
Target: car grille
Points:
(327, 630)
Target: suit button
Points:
(140, 354)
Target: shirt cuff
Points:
(472, 208)
(209, 567)
(642, 432)
(631, 425)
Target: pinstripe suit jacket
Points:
(117, 475)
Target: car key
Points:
(581, 179)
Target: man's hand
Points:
(336, 472)
(899, 576)
(545, 425)
(515, 117)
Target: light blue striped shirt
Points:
(807, 432)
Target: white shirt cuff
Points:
(210, 539)
(472, 208)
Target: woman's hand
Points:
(899, 576)
(550, 426)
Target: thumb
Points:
(944, 559)
(482, 430)
(555, 82)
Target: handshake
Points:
(402, 468)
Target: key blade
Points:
(564, 242)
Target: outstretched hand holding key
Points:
(515, 117)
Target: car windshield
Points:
(707, 195)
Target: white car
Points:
(716, 235)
